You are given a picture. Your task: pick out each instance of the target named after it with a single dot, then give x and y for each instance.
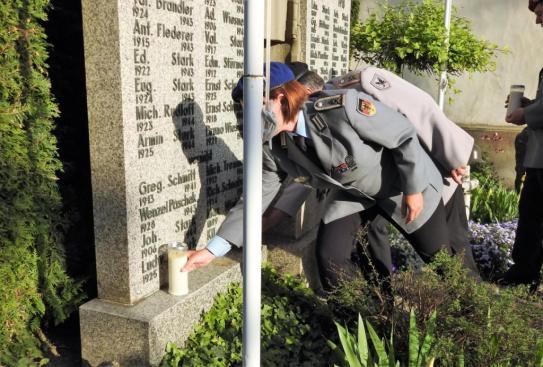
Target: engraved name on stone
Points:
(186, 56)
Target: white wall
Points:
(504, 22)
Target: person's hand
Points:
(197, 259)
(458, 173)
(516, 117)
(412, 206)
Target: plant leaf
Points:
(413, 340)
(363, 352)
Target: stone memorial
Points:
(325, 36)
(166, 154)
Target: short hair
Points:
(295, 96)
(532, 4)
(312, 80)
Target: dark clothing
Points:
(457, 222)
(528, 248)
(527, 251)
(336, 240)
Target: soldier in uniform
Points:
(448, 145)
(365, 154)
(528, 247)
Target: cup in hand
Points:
(515, 98)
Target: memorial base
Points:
(294, 256)
(133, 336)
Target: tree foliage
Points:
(413, 35)
(35, 288)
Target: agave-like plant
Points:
(357, 353)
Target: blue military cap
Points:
(279, 75)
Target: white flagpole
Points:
(443, 79)
(253, 45)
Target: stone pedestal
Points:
(291, 244)
(137, 335)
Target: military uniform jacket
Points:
(534, 119)
(449, 145)
(363, 152)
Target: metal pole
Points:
(267, 57)
(443, 79)
(253, 45)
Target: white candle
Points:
(515, 98)
(178, 281)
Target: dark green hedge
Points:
(34, 287)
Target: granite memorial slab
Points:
(325, 36)
(166, 147)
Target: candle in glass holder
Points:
(515, 98)
(178, 281)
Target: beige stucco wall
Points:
(504, 22)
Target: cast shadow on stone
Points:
(220, 172)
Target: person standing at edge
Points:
(528, 247)
(366, 154)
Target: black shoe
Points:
(513, 277)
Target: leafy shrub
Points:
(412, 34)
(491, 202)
(35, 287)
(294, 325)
(474, 320)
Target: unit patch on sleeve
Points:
(366, 107)
(379, 82)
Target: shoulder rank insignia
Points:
(283, 140)
(318, 121)
(328, 103)
(347, 79)
(379, 82)
(366, 107)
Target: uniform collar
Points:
(301, 126)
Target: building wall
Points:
(506, 23)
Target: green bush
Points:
(34, 288)
(485, 326)
(294, 326)
(413, 35)
(491, 202)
